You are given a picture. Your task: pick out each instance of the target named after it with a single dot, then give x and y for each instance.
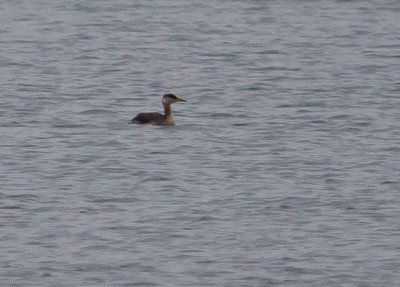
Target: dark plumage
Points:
(171, 96)
(148, 118)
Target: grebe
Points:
(159, 119)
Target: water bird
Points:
(166, 119)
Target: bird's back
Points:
(148, 118)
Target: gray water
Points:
(283, 168)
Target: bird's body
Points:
(166, 119)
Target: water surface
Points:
(282, 170)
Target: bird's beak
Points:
(180, 100)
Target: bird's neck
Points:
(168, 115)
(167, 109)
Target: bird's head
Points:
(171, 98)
